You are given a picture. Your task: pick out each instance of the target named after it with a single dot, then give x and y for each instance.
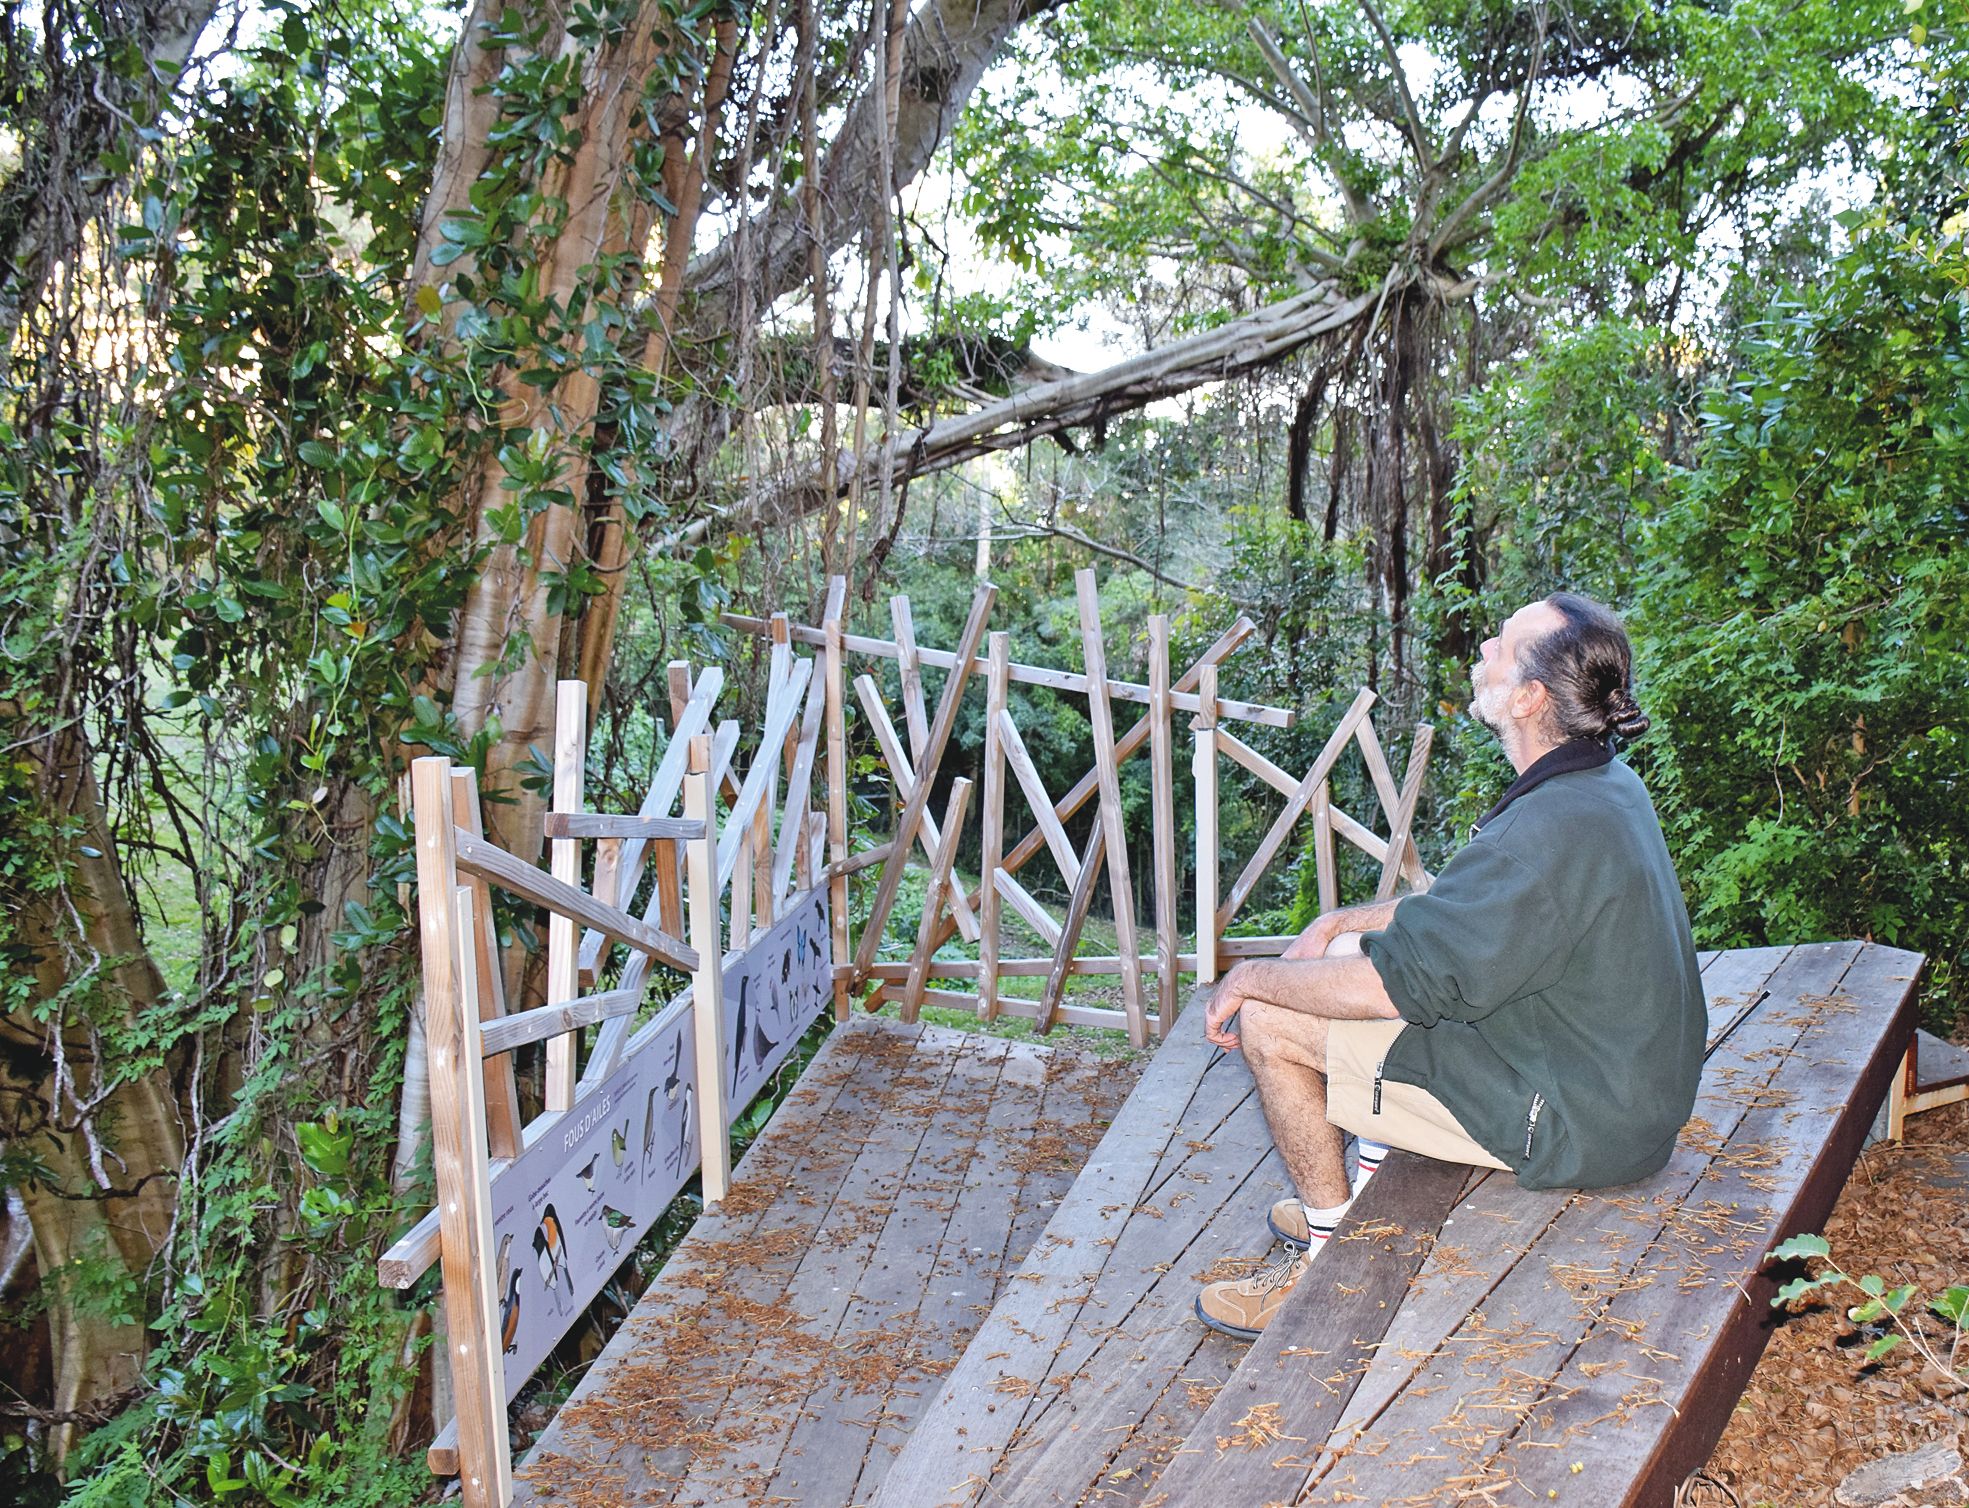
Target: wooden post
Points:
(1899, 1089)
(458, 1141)
(926, 775)
(1204, 768)
(708, 982)
(1108, 772)
(1162, 800)
(503, 1126)
(997, 686)
(1325, 864)
(837, 781)
(1069, 939)
(563, 938)
(933, 899)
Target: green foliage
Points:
(1804, 615)
(1887, 1317)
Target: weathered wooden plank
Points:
(1009, 1005)
(992, 824)
(833, 663)
(1027, 774)
(799, 789)
(1107, 769)
(816, 1297)
(764, 774)
(1497, 1366)
(1360, 1280)
(1326, 872)
(530, 884)
(934, 895)
(707, 979)
(1209, 862)
(1162, 806)
(503, 1126)
(1068, 681)
(1092, 861)
(1027, 905)
(1241, 753)
(1399, 842)
(545, 1021)
(909, 667)
(563, 941)
(595, 825)
(1304, 1361)
(979, 1410)
(826, 1451)
(458, 1149)
(1690, 1338)
(926, 775)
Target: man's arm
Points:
(1340, 989)
(1316, 939)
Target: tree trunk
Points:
(103, 1204)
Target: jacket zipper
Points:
(1531, 1121)
(1379, 1069)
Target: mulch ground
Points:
(1813, 1412)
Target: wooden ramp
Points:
(799, 1329)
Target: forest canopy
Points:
(367, 368)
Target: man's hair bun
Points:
(1625, 719)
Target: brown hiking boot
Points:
(1244, 1306)
(1288, 1222)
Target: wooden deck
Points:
(857, 1325)
(799, 1329)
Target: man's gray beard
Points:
(1477, 700)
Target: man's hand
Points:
(1314, 941)
(1224, 1005)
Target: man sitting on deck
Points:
(1538, 1010)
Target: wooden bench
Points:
(1463, 1339)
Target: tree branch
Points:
(1418, 137)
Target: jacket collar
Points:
(1578, 754)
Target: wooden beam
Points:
(1295, 808)
(459, 1155)
(1091, 864)
(909, 667)
(1242, 753)
(998, 660)
(529, 884)
(1162, 808)
(1022, 901)
(598, 825)
(833, 663)
(919, 799)
(707, 981)
(1326, 875)
(799, 788)
(545, 1021)
(1113, 820)
(1027, 774)
(1014, 1005)
(1203, 771)
(502, 1093)
(563, 941)
(780, 712)
(1072, 682)
(1403, 817)
(933, 897)
(903, 776)
(897, 972)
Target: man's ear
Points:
(1529, 701)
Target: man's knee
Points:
(1272, 1031)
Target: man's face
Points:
(1495, 678)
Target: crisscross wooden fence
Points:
(724, 917)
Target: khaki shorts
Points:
(1410, 1118)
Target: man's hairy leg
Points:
(1287, 1053)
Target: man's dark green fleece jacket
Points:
(1549, 980)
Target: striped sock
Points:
(1321, 1223)
(1370, 1155)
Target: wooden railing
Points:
(688, 949)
